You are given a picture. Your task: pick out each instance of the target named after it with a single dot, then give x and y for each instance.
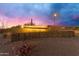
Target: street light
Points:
(55, 15)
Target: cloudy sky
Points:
(42, 14)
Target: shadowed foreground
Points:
(45, 47)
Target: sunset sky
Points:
(42, 14)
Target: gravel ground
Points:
(44, 47)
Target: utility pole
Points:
(2, 23)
